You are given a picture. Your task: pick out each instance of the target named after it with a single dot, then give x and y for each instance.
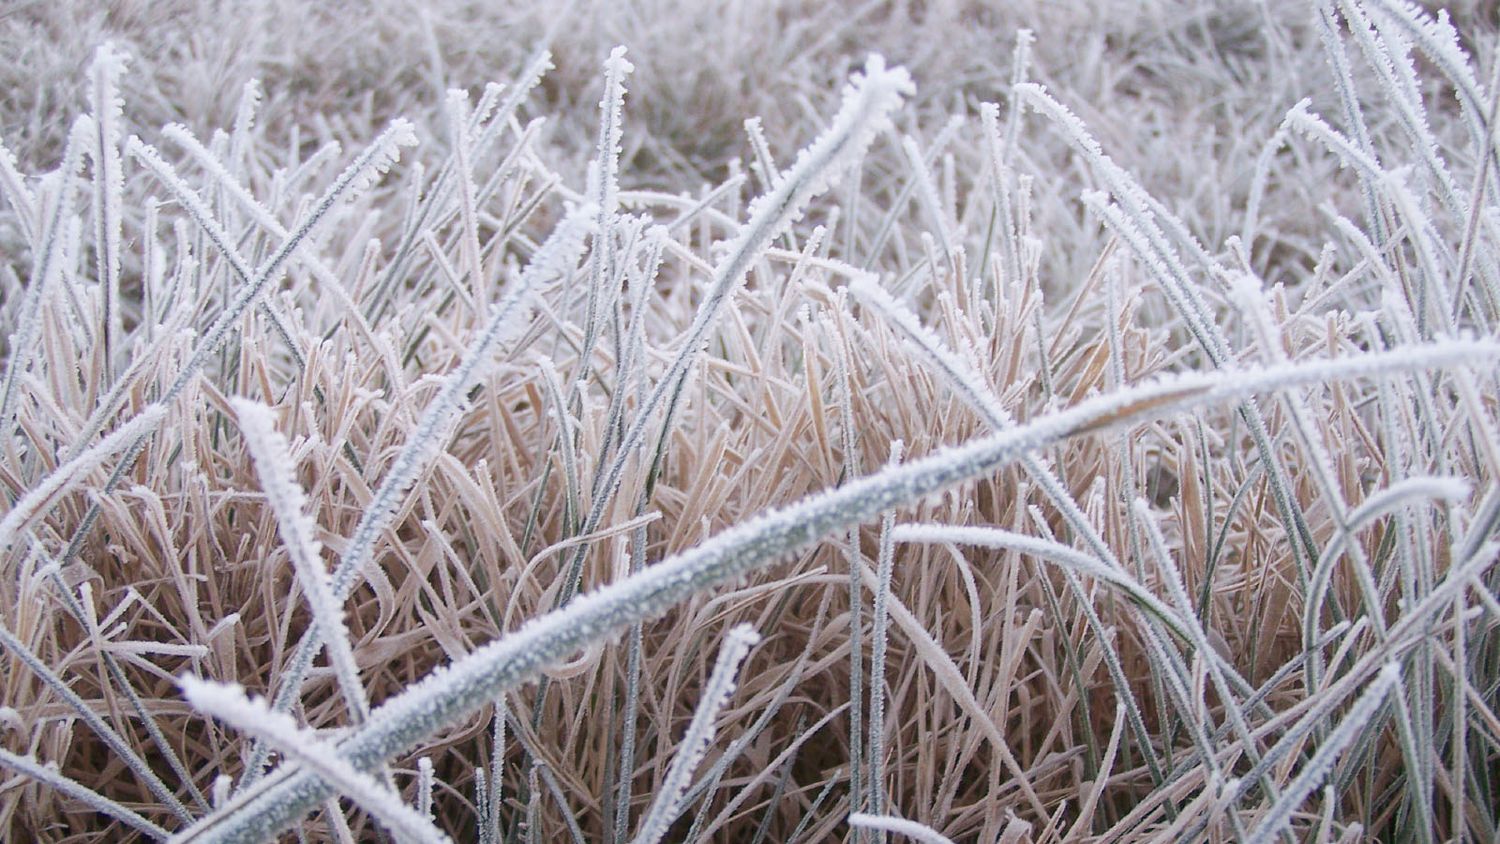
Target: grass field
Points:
(749, 421)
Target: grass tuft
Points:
(742, 441)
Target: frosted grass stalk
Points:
(1395, 322)
(273, 460)
(1399, 495)
(1478, 208)
(812, 810)
(108, 406)
(1389, 54)
(241, 137)
(625, 762)
(375, 159)
(486, 835)
(48, 775)
(556, 257)
(1198, 636)
(611, 117)
(59, 480)
(774, 802)
(1302, 119)
(927, 196)
(221, 788)
(85, 618)
(1142, 229)
(1458, 714)
(1419, 227)
(770, 176)
(425, 784)
(113, 740)
(472, 681)
(1415, 751)
(700, 733)
(605, 174)
(468, 214)
(1407, 633)
(109, 185)
(970, 387)
(1343, 84)
(533, 818)
(1479, 417)
(704, 205)
(1300, 535)
(22, 200)
(1195, 314)
(258, 212)
(920, 833)
(1020, 69)
(1173, 675)
(1359, 718)
(1249, 297)
(880, 625)
(321, 157)
(358, 177)
(1440, 43)
(857, 774)
(567, 439)
(360, 174)
(640, 279)
(228, 703)
(868, 102)
(491, 821)
(1286, 669)
(898, 205)
(424, 215)
(715, 775)
(803, 733)
(1145, 209)
(1261, 175)
(1106, 765)
(46, 268)
(549, 779)
(1433, 297)
(1052, 551)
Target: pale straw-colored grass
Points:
(737, 435)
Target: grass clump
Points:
(371, 477)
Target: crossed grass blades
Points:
(409, 496)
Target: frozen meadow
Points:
(749, 421)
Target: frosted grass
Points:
(909, 829)
(273, 460)
(474, 680)
(112, 739)
(229, 703)
(47, 268)
(879, 639)
(359, 175)
(49, 776)
(556, 258)
(109, 186)
(1321, 764)
(58, 481)
(968, 385)
(700, 733)
(1386, 458)
(868, 102)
